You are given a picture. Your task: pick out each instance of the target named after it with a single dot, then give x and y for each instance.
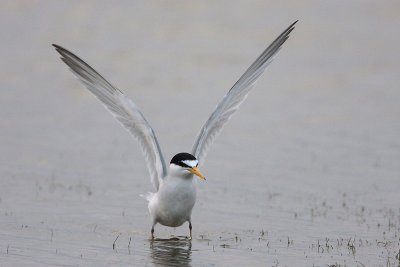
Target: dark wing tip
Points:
(294, 23)
(57, 47)
(60, 49)
(291, 27)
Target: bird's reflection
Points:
(171, 252)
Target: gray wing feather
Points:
(123, 109)
(235, 96)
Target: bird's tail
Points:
(147, 196)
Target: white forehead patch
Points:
(191, 163)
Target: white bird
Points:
(175, 187)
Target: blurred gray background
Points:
(313, 153)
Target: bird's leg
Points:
(190, 230)
(152, 232)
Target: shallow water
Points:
(305, 174)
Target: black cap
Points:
(180, 157)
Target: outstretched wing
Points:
(236, 95)
(123, 109)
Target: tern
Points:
(175, 186)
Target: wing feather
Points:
(235, 96)
(123, 109)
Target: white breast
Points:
(172, 205)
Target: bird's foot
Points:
(190, 230)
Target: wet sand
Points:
(305, 174)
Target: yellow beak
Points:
(196, 171)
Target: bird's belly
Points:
(173, 218)
(174, 205)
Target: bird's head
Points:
(185, 163)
